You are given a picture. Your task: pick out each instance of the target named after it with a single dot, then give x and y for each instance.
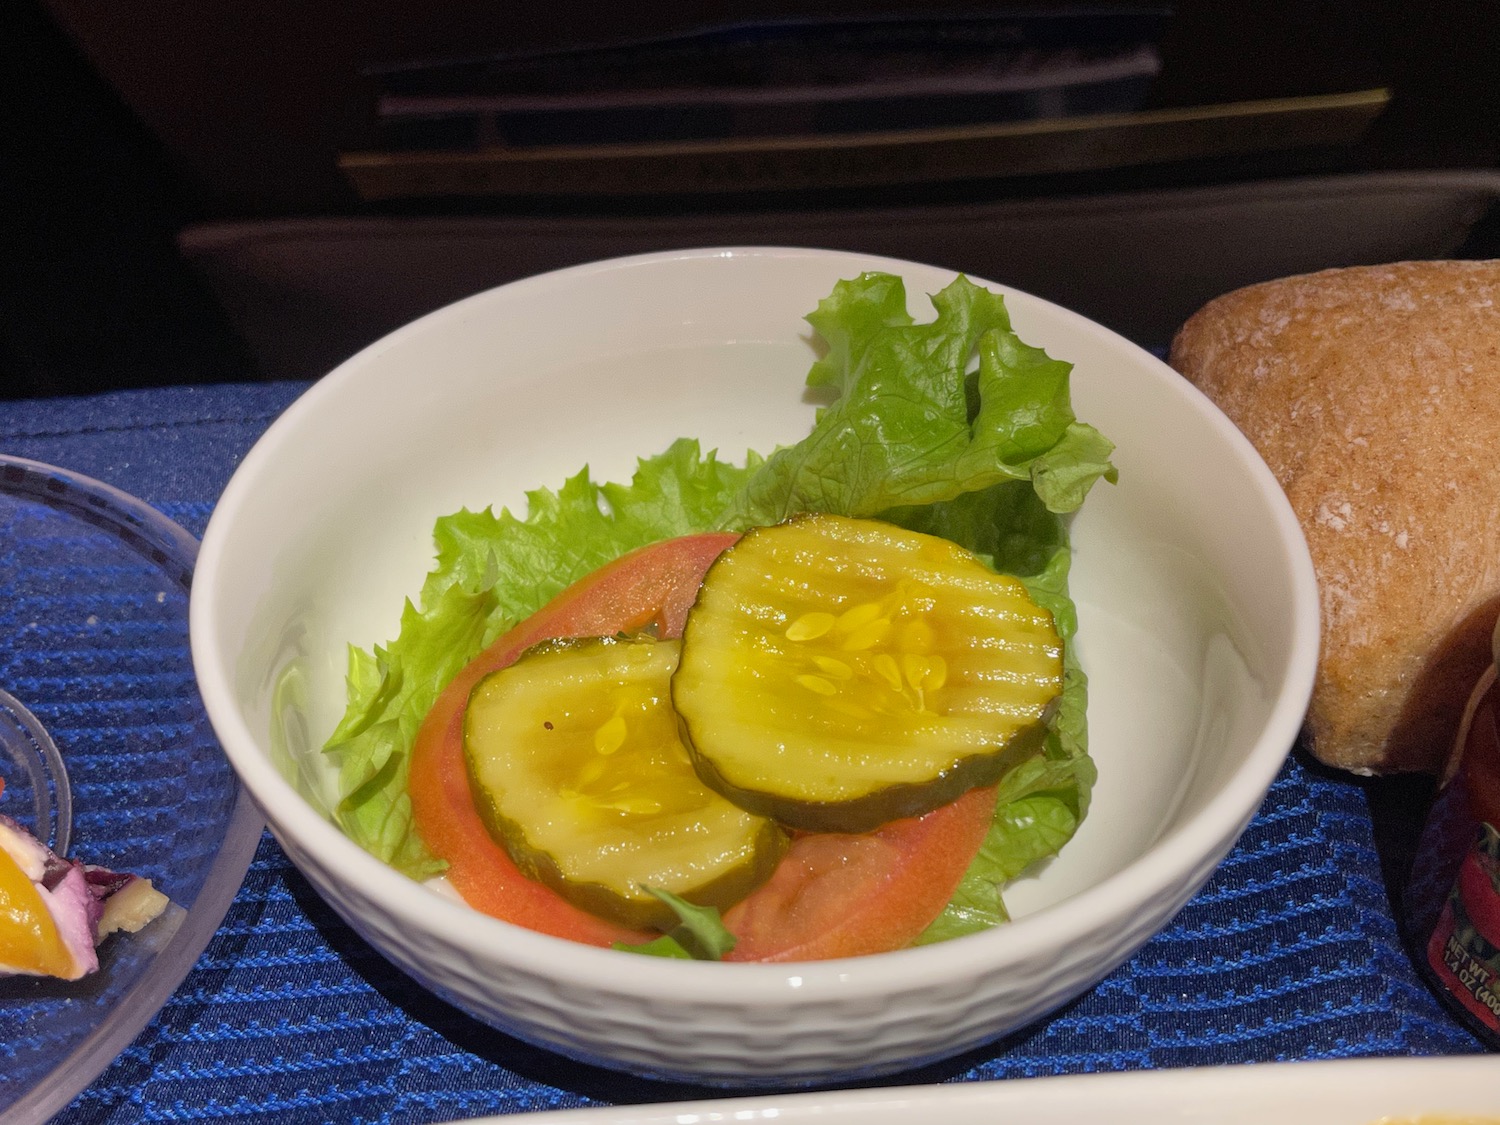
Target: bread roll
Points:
(1374, 395)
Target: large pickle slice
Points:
(579, 772)
(840, 673)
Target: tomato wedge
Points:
(839, 895)
(834, 894)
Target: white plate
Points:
(1342, 1092)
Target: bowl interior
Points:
(1190, 577)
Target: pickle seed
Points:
(854, 618)
(810, 626)
(867, 635)
(918, 636)
(885, 666)
(834, 669)
(848, 707)
(590, 772)
(611, 735)
(634, 806)
(817, 684)
(924, 671)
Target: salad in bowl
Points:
(811, 699)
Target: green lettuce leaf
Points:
(954, 427)
(911, 424)
(698, 936)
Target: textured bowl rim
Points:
(1167, 866)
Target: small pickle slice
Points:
(838, 673)
(579, 772)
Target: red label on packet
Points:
(1464, 950)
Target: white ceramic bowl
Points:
(1198, 629)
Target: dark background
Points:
(126, 121)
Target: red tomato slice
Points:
(833, 895)
(838, 895)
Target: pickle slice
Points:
(579, 772)
(837, 673)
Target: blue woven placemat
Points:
(1290, 952)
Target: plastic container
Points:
(106, 754)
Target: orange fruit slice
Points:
(29, 941)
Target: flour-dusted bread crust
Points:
(1374, 395)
